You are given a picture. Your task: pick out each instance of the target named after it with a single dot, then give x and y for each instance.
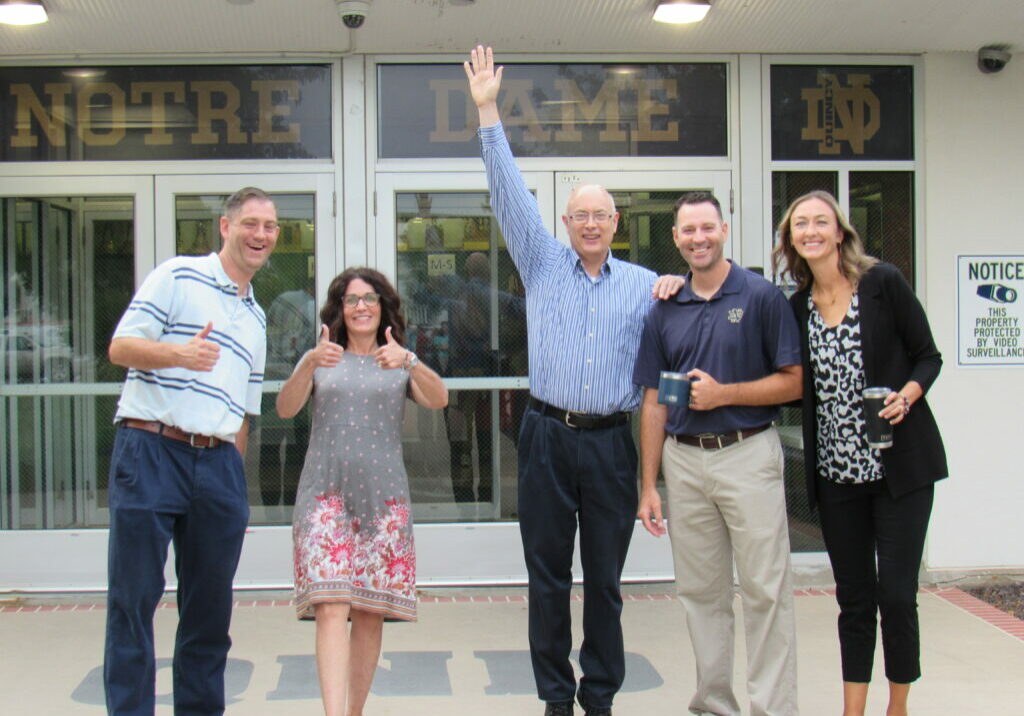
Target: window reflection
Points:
(466, 313)
(285, 289)
(68, 267)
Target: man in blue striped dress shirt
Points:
(194, 341)
(577, 461)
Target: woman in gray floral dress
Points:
(354, 554)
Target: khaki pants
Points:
(723, 505)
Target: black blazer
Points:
(897, 345)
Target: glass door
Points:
(463, 298)
(467, 319)
(290, 289)
(69, 259)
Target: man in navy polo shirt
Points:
(734, 336)
(194, 340)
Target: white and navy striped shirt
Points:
(583, 333)
(174, 303)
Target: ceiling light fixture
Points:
(681, 12)
(22, 12)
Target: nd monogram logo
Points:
(836, 114)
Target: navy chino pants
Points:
(163, 490)
(569, 476)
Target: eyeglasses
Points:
(253, 225)
(353, 299)
(599, 217)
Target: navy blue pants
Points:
(162, 490)
(875, 545)
(569, 476)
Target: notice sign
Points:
(990, 310)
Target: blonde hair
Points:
(854, 262)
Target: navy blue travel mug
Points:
(673, 388)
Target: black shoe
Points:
(593, 710)
(558, 708)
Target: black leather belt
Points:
(717, 441)
(579, 421)
(169, 431)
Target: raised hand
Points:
(390, 355)
(199, 354)
(327, 353)
(484, 81)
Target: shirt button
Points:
(590, 360)
(586, 387)
(592, 309)
(590, 335)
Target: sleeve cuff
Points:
(491, 135)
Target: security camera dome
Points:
(992, 58)
(353, 12)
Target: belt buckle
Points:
(192, 441)
(568, 422)
(710, 436)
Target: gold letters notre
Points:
(158, 93)
(207, 113)
(53, 122)
(101, 112)
(265, 90)
(87, 109)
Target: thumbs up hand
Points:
(390, 355)
(327, 353)
(199, 354)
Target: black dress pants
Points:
(875, 545)
(569, 477)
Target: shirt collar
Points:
(606, 267)
(222, 278)
(733, 284)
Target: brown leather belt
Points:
(717, 441)
(169, 431)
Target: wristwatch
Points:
(411, 360)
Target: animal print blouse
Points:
(838, 365)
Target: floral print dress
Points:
(352, 529)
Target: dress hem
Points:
(392, 607)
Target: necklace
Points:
(820, 295)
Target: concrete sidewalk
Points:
(468, 654)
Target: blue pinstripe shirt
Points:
(583, 333)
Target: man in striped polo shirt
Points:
(194, 342)
(577, 460)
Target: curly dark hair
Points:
(333, 316)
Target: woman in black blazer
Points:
(862, 326)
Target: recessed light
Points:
(681, 12)
(22, 12)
